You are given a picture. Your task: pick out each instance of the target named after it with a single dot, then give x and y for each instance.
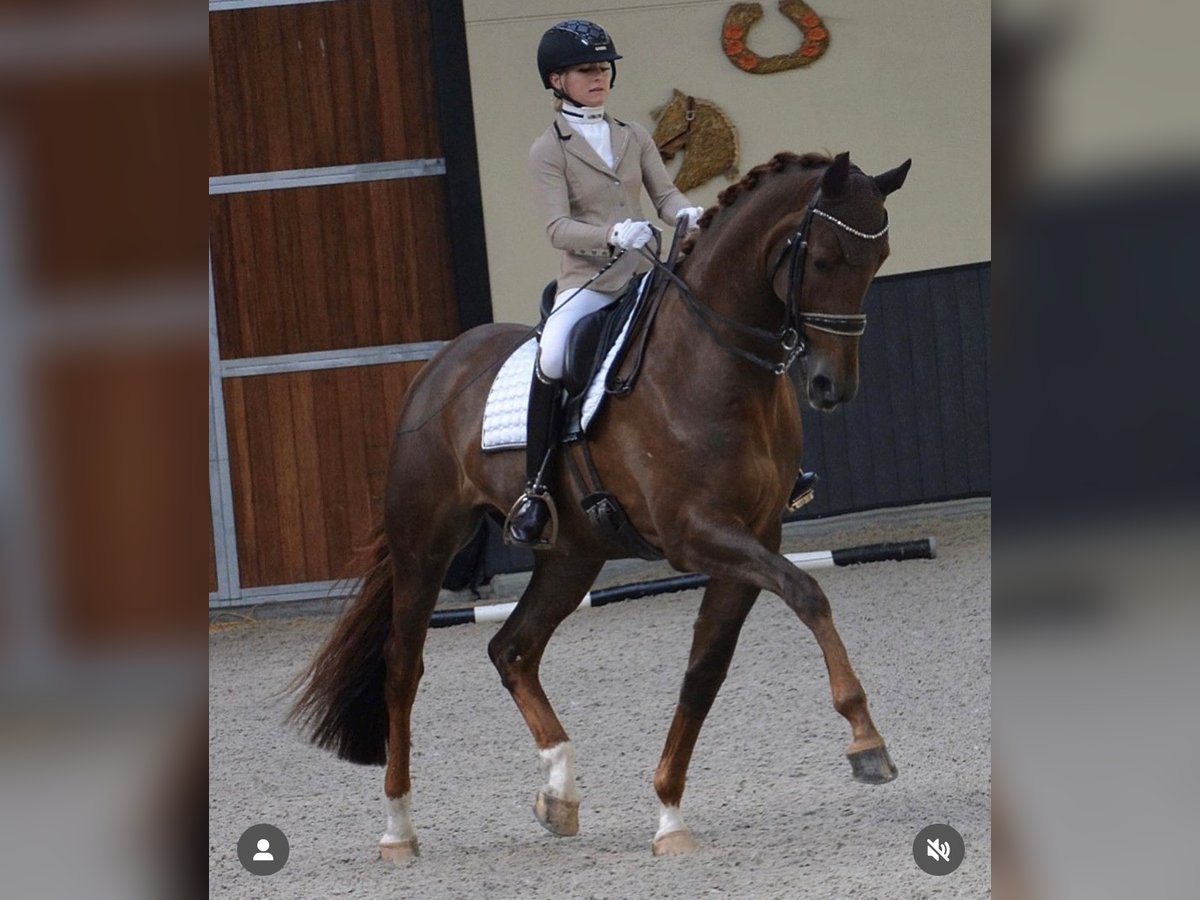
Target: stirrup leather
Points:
(551, 526)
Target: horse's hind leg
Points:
(718, 624)
(415, 596)
(555, 589)
(419, 565)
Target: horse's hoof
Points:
(556, 815)
(401, 853)
(873, 765)
(674, 843)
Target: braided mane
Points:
(750, 180)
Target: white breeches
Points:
(569, 307)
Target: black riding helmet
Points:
(572, 43)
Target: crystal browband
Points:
(854, 231)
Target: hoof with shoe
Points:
(674, 843)
(873, 765)
(400, 853)
(556, 815)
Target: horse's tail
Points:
(341, 705)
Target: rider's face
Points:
(585, 84)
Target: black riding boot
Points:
(532, 511)
(802, 491)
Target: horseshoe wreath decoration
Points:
(742, 16)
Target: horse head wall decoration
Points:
(701, 131)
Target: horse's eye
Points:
(822, 265)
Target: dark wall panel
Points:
(334, 267)
(320, 84)
(918, 431)
(976, 335)
(308, 455)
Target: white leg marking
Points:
(399, 820)
(558, 765)
(669, 819)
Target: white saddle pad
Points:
(508, 400)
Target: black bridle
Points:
(790, 335)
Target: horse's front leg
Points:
(715, 634)
(733, 552)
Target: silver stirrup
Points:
(802, 500)
(551, 526)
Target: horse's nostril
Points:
(822, 393)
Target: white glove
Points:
(630, 235)
(693, 214)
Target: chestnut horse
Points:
(702, 454)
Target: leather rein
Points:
(790, 335)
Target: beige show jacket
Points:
(580, 198)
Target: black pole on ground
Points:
(924, 548)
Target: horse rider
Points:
(588, 170)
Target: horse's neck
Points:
(727, 277)
(727, 269)
(726, 272)
(690, 345)
(708, 395)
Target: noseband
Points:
(790, 336)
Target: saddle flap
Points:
(581, 352)
(594, 336)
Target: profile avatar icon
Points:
(263, 849)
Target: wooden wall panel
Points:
(115, 429)
(325, 268)
(320, 84)
(308, 455)
(93, 158)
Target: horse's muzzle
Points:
(825, 394)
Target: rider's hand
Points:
(693, 214)
(630, 235)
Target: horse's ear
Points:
(893, 179)
(833, 182)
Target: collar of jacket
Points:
(583, 151)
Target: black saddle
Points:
(589, 343)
